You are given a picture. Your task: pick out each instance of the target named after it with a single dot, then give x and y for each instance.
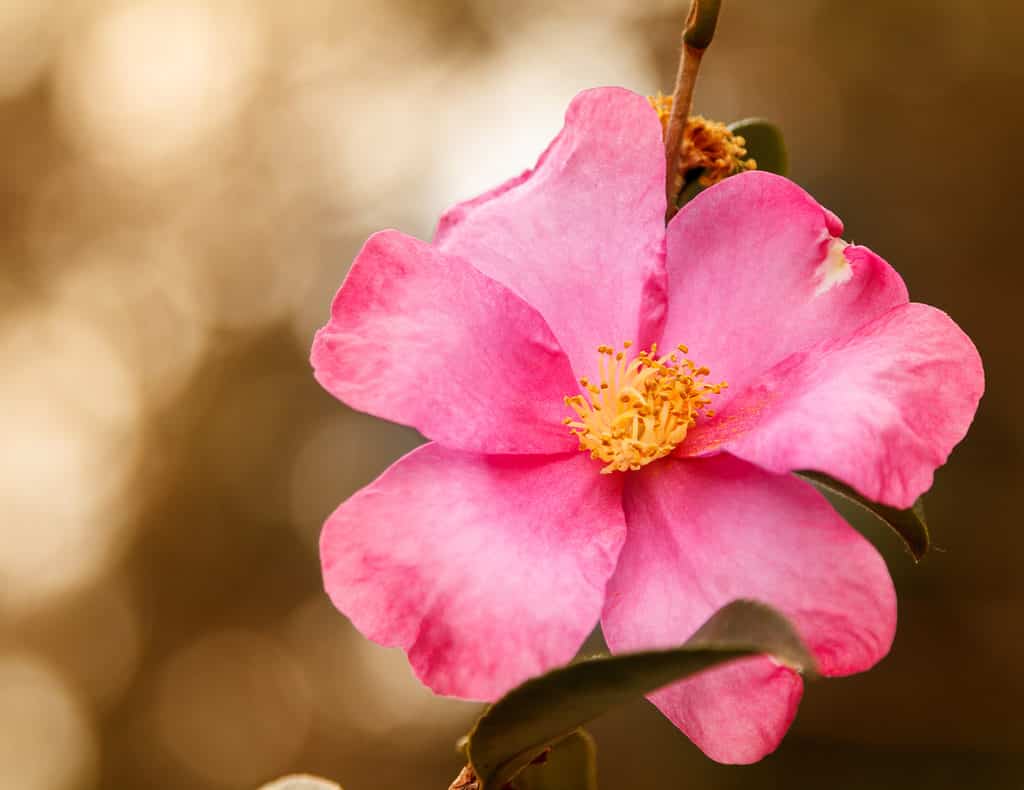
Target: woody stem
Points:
(698, 32)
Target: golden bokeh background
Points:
(184, 185)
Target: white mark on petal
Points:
(835, 269)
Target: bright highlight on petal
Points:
(642, 409)
(835, 269)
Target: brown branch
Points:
(698, 32)
(466, 780)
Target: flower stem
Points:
(698, 32)
(466, 780)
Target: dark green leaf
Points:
(909, 524)
(571, 764)
(542, 711)
(764, 144)
(690, 189)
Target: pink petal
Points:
(485, 569)
(704, 532)
(880, 409)
(422, 338)
(581, 237)
(751, 279)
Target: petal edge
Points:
(485, 569)
(704, 532)
(581, 236)
(424, 339)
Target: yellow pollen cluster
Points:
(641, 409)
(662, 104)
(707, 145)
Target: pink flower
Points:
(489, 553)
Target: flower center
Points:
(642, 408)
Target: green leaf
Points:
(570, 765)
(543, 710)
(764, 143)
(691, 189)
(909, 524)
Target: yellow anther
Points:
(662, 105)
(708, 146)
(642, 409)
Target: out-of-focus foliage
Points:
(184, 185)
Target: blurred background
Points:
(184, 184)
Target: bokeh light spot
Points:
(149, 83)
(46, 739)
(27, 36)
(233, 707)
(69, 425)
(301, 782)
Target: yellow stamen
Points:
(708, 146)
(642, 409)
(662, 105)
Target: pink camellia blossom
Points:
(535, 325)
